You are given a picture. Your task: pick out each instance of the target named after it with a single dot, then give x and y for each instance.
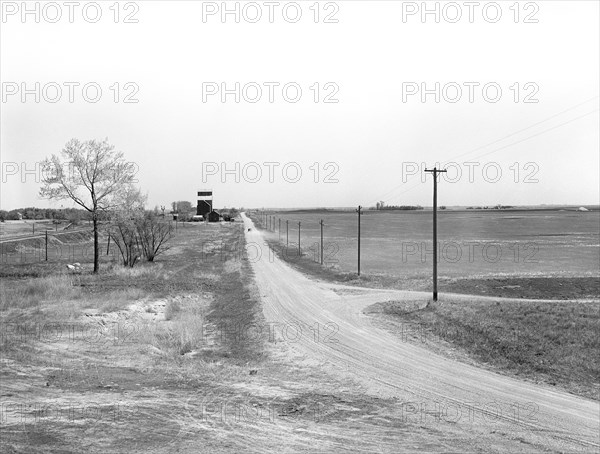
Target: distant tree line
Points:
(32, 213)
(496, 207)
(381, 206)
(231, 212)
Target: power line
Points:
(503, 147)
(538, 134)
(524, 129)
(508, 145)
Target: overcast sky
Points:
(374, 58)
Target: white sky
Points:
(370, 134)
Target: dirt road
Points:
(454, 400)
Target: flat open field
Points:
(210, 350)
(510, 252)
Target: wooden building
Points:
(214, 216)
(205, 203)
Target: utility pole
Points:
(287, 234)
(279, 229)
(299, 250)
(359, 213)
(435, 171)
(321, 223)
(46, 245)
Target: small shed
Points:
(214, 216)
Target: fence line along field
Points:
(512, 253)
(526, 332)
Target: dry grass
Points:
(116, 300)
(186, 329)
(557, 343)
(63, 296)
(172, 308)
(34, 292)
(158, 363)
(177, 338)
(140, 270)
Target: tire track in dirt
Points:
(386, 367)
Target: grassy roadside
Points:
(553, 343)
(114, 356)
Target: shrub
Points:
(140, 235)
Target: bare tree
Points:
(124, 235)
(137, 232)
(152, 234)
(90, 173)
(124, 223)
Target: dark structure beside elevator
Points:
(214, 216)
